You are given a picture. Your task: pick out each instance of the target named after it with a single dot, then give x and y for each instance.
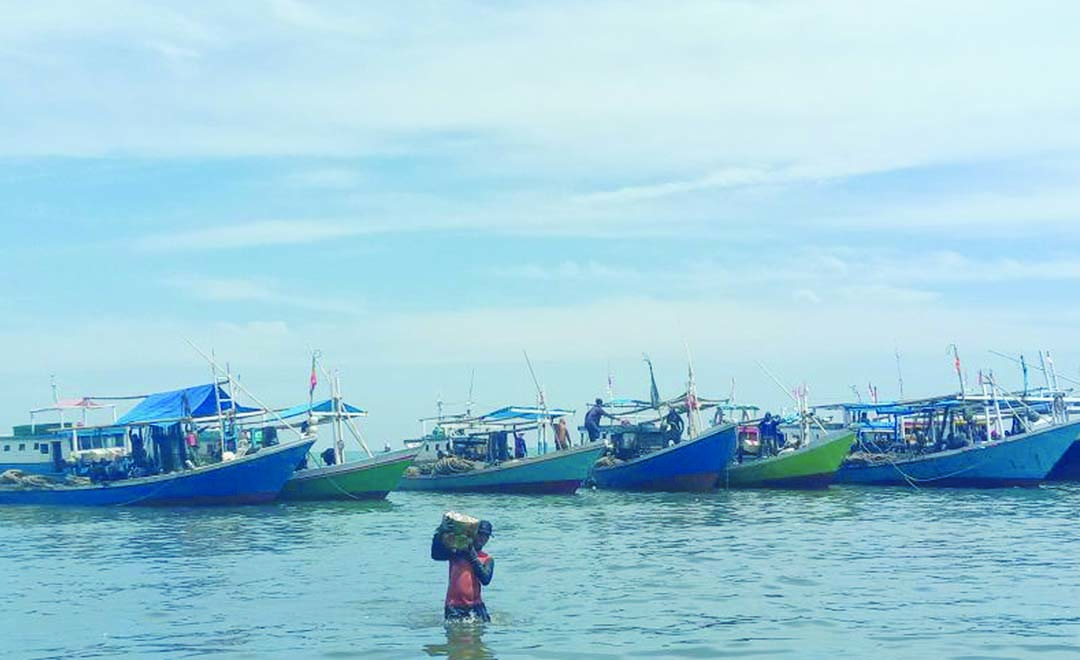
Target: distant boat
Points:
(811, 466)
(481, 450)
(251, 479)
(368, 479)
(41, 447)
(690, 465)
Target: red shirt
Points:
(464, 587)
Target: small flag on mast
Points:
(314, 378)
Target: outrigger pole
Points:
(217, 400)
(801, 404)
(243, 389)
(1023, 365)
(541, 400)
(341, 420)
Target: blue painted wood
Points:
(1019, 460)
(1068, 468)
(251, 479)
(691, 465)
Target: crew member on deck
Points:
(562, 435)
(470, 570)
(592, 420)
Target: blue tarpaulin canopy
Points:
(194, 402)
(524, 413)
(320, 407)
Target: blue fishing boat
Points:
(489, 454)
(647, 449)
(157, 459)
(690, 465)
(954, 442)
(1019, 460)
(251, 479)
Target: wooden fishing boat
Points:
(1025, 459)
(250, 479)
(488, 454)
(808, 467)
(368, 479)
(554, 473)
(690, 465)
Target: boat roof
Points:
(515, 414)
(325, 407)
(200, 401)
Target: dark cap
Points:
(484, 527)
(599, 402)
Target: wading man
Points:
(470, 569)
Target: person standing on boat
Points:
(470, 570)
(766, 441)
(592, 420)
(673, 427)
(562, 435)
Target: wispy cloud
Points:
(329, 178)
(254, 234)
(568, 271)
(239, 290)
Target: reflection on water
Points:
(464, 641)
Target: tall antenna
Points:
(469, 403)
(899, 373)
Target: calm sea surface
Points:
(845, 573)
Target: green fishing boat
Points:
(810, 467)
(367, 479)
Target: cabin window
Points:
(7, 447)
(44, 448)
(22, 446)
(35, 446)
(119, 442)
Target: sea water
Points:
(848, 572)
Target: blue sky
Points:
(428, 189)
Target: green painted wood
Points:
(371, 478)
(809, 467)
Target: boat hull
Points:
(253, 479)
(369, 479)
(1068, 468)
(692, 465)
(557, 473)
(809, 468)
(1020, 460)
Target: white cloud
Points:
(635, 88)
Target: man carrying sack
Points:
(470, 567)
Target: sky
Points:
(424, 192)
